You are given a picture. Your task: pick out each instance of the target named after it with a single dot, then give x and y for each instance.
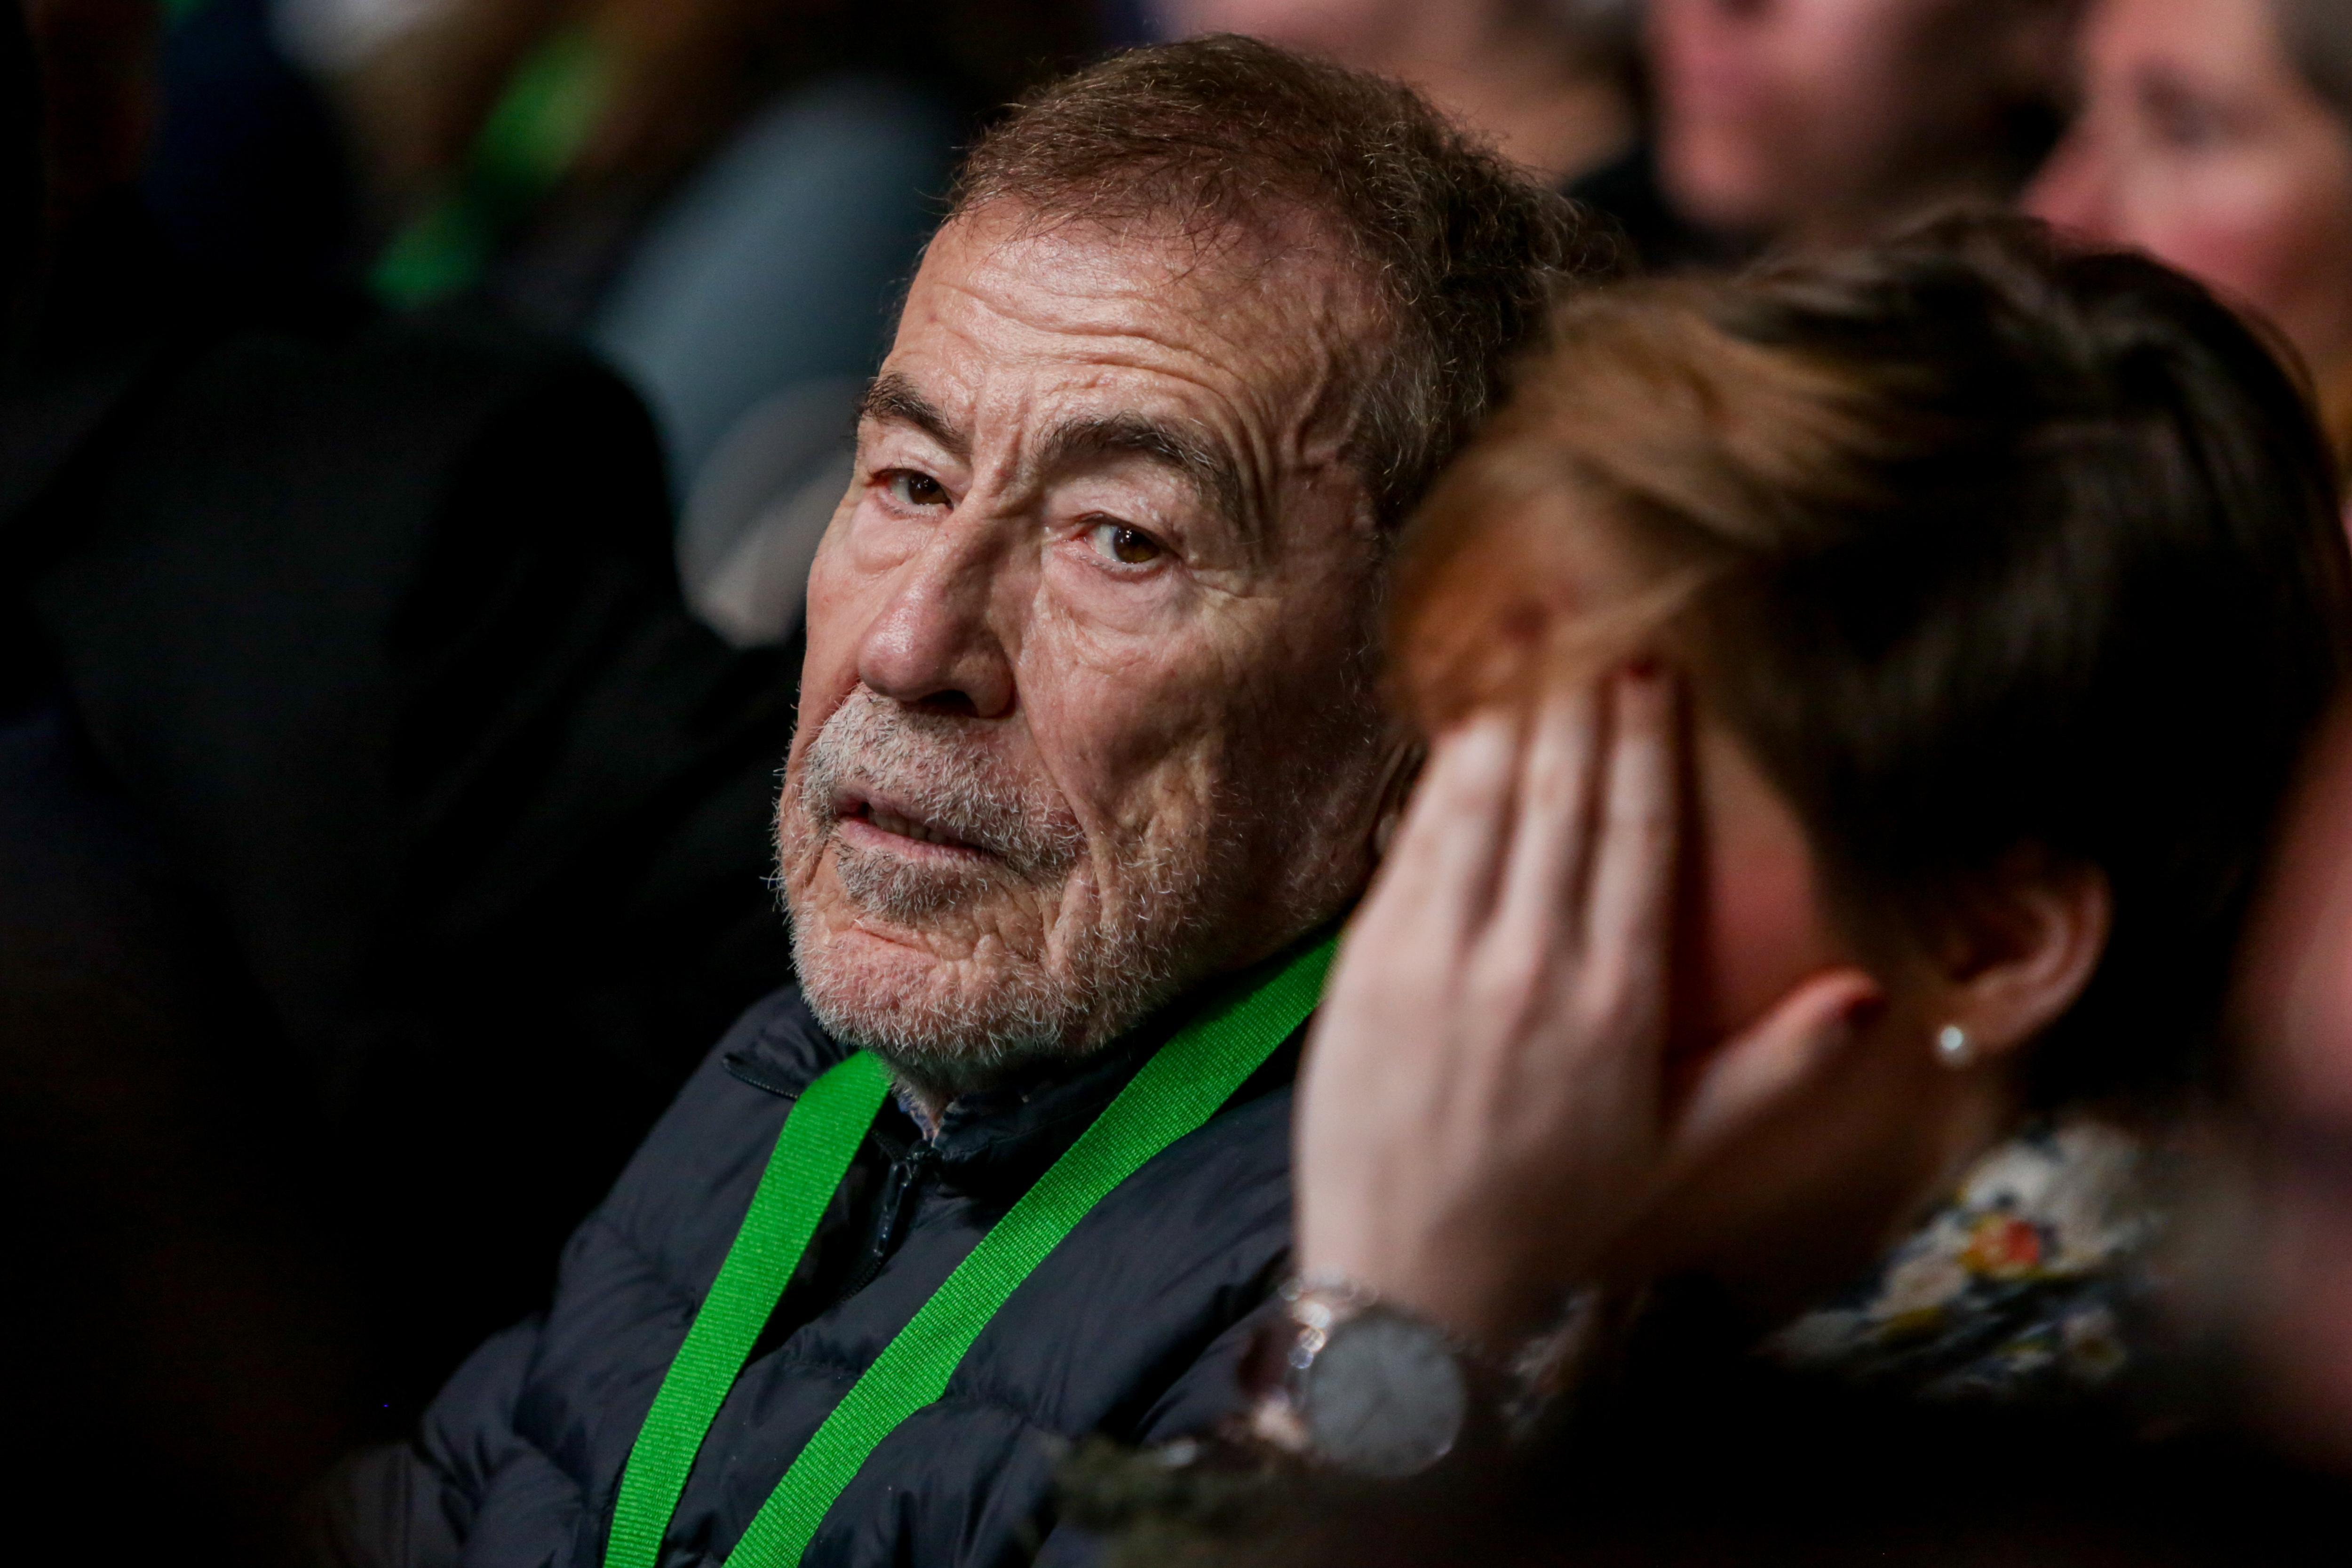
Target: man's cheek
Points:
(1100, 616)
(1102, 708)
(842, 604)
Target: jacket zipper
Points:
(904, 1181)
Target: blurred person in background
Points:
(1812, 122)
(2294, 1240)
(1771, 1030)
(722, 196)
(2217, 136)
(374, 820)
(1549, 80)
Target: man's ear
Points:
(2022, 949)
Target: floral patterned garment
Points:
(2028, 1283)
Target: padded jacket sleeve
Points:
(412, 1505)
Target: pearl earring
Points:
(1953, 1047)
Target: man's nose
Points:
(933, 645)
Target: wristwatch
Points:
(1365, 1387)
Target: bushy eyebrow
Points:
(1204, 463)
(892, 399)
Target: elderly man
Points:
(1089, 763)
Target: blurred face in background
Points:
(2200, 143)
(1827, 121)
(1341, 29)
(1545, 79)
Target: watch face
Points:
(1385, 1396)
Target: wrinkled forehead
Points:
(1260, 337)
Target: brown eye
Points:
(1127, 546)
(912, 488)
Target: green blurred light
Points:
(527, 143)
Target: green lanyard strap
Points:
(1176, 1090)
(821, 1133)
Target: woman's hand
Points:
(1483, 1112)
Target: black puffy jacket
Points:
(1131, 1328)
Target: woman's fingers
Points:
(1770, 1064)
(1629, 914)
(1441, 870)
(1551, 835)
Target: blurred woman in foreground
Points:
(1862, 694)
(2003, 589)
(2295, 1010)
(2216, 135)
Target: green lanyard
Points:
(1176, 1090)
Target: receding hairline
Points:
(1222, 140)
(1282, 230)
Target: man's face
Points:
(1088, 713)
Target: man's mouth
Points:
(869, 819)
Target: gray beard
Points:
(1093, 983)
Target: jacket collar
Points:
(1004, 1136)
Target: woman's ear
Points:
(2022, 949)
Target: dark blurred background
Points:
(417, 422)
